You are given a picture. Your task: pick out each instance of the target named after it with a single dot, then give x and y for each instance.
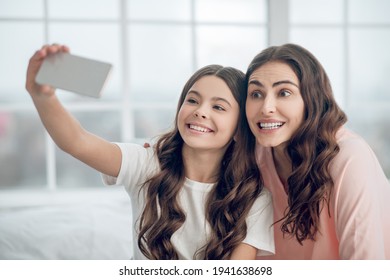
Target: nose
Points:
(200, 113)
(269, 106)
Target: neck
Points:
(282, 164)
(202, 166)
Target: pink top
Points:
(359, 226)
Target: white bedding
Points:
(86, 225)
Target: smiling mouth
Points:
(268, 126)
(199, 128)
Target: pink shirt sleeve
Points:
(361, 201)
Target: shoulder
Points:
(263, 203)
(139, 157)
(260, 232)
(350, 141)
(135, 150)
(359, 198)
(354, 152)
(137, 164)
(356, 171)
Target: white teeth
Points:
(199, 128)
(271, 125)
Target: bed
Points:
(65, 225)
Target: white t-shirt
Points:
(139, 164)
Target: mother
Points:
(331, 197)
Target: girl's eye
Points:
(285, 93)
(191, 101)
(219, 108)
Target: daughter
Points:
(196, 193)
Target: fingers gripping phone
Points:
(74, 73)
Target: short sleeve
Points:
(138, 164)
(260, 233)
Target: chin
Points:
(264, 144)
(271, 144)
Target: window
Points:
(154, 51)
(351, 39)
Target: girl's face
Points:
(208, 117)
(274, 105)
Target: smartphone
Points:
(74, 73)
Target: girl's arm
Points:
(63, 128)
(244, 252)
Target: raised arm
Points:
(63, 128)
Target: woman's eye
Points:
(256, 95)
(285, 93)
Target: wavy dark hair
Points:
(229, 201)
(313, 145)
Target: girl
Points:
(196, 194)
(330, 195)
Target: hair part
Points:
(310, 184)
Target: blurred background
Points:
(155, 45)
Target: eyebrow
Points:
(215, 98)
(258, 83)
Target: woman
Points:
(196, 194)
(330, 195)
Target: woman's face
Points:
(208, 117)
(274, 105)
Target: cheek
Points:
(251, 110)
(230, 123)
(234, 123)
(183, 112)
(181, 116)
(299, 114)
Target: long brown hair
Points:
(313, 146)
(230, 199)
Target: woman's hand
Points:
(35, 63)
